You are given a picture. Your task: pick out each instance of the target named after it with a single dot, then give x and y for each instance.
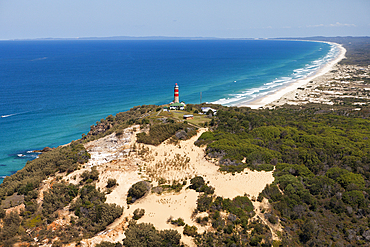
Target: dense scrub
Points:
(231, 220)
(91, 215)
(232, 223)
(322, 160)
(61, 159)
(145, 234)
(122, 120)
(161, 132)
(91, 212)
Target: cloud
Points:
(319, 25)
(337, 24)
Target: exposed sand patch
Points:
(113, 157)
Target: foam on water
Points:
(53, 91)
(272, 86)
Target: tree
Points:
(137, 191)
(145, 235)
(111, 182)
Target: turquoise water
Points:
(53, 91)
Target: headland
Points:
(292, 175)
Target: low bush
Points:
(145, 234)
(137, 191)
(190, 230)
(178, 222)
(138, 213)
(111, 182)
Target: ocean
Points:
(52, 91)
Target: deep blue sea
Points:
(53, 91)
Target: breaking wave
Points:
(272, 86)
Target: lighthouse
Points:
(176, 105)
(176, 94)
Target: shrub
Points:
(137, 191)
(204, 202)
(178, 222)
(111, 182)
(197, 183)
(190, 230)
(272, 219)
(146, 235)
(108, 244)
(138, 213)
(161, 132)
(89, 176)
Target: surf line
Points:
(14, 114)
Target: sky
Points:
(30, 19)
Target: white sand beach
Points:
(290, 89)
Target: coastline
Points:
(278, 95)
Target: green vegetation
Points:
(137, 191)
(90, 176)
(108, 244)
(174, 187)
(61, 159)
(111, 182)
(321, 156)
(138, 213)
(236, 229)
(92, 211)
(161, 132)
(190, 230)
(145, 234)
(57, 198)
(178, 222)
(136, 115)
(88, 204)
(197, 183)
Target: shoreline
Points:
(265, 100)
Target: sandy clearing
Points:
(179, 162)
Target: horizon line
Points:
(173, 38)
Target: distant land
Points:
(318, 38)
(292, 174)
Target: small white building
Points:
(188, 116)
(177, 106)
(206, 109)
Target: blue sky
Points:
(28, 19)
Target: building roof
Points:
(177, 104)
(206, 109)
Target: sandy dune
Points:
(180, 162)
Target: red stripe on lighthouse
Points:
(176, 94)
